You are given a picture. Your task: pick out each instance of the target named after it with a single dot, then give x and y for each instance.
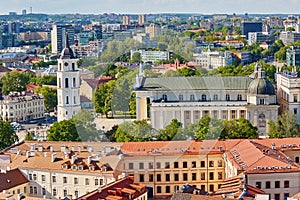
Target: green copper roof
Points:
(196, 83)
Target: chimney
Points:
(63, 148)
(79, 148)
(73, 148)
(32, 147)
(53, 157)
(89, 159)
(51, 148)
(27, 154)
(74, 158)
(89, 148)
(40, 148)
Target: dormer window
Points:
(80, 167)
(92, 168)
(74, 167)
(64, 166)
(103, 169)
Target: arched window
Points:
(66, 82)
(67, 99)
(73, 66)
(164, 97)
(239, 97)
(203, 97)
(215, 97)
(74, 82)
(227, 97)
(180, 97)
(192, 97)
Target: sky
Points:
(152, 6)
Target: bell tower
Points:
(67, 84)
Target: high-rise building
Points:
(141, 19)
(247, 27)
(67, 84)
(24, 12)
(125, 20)
(153, 30)
(289, 37)
(257, 37)
(58, 37)
(14, 27)
(293, 56)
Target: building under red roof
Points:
(11, 179)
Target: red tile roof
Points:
(118, 190)
(11, 179)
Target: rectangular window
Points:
(76, 180)
(202, 164)
(130, 166)
(286, 184)
(233, 115)
(54, 192)
(96, 182)
(142, 178)
(261, 101)
(150, 177)
(277, 196)
(34, 177)
(167, 165)
(295, 111)
(168, 190)
(215, 114)
(176, 177)
(295, 98)
(297, 159)
(220, 163)
(54, 179)
(194, 176)
(158, 189)
(197, 115)
(65, 180)
(76, 194)
(211, 188)
(242, 114)
(211, 163)
(258, 185)
(65, 193)
(176, 188)
(224, 114)
(277, 184)
(141, 165)
(35, 190)
(150, 165)
(268, 184)
(87, 181)
(158, 165)
(158, 177)
(194, 164)
(43, 191)
(220, 175)
(43, 178)
(176, 165)
(167, 177)
(202, 175)
(184, 164)
(187, 114)
(31, 190)
(211, 176)
(286, 195)
(202, 187)
(185, 176)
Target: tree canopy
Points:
(50, 97)
(14, 82)
(7, 135)
(63, 131)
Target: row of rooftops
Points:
(252, 156)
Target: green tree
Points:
(171, 130)
(286, 126)
(136, 57)
(187, 71)
(136, 131)
(132, 104)
(7, 135)
(239, 128)
(50, 97)
(29, 136)
(14, 82)
(63, 131)
(86, 127)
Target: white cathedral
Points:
(68, 84)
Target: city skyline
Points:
(153, 6)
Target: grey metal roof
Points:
(196, 83)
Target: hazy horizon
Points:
(152, 6)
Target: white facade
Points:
(288, 92)
(151, 56)
(19, 107)
(68, 85)
(213, 60)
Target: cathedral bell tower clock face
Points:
(66, 64)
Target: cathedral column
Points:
(141, 108)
